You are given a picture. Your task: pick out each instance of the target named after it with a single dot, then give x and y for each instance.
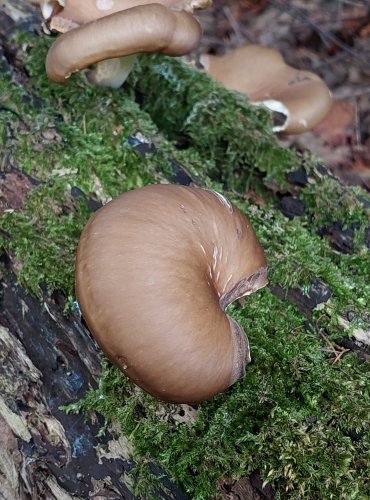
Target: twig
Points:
(334, 349)
(233, 24)
(357, 129)
(286, 5)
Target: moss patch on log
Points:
(300, 416)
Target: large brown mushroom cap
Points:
(262, 74)
(155, 270)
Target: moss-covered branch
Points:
(300, 416)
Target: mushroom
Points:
(81, 12)
(49, 8)
(155, 271)
(261, 73)
(112, 33)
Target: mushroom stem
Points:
(122, 34)
(111, 72)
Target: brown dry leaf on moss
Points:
(356, 168)
(365, 31)
(14, 189)
(336, 128)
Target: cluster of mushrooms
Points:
(155, 297)
(111, 33)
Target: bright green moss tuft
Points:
(44, 236)
(220, 125)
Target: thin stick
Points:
(286, 6)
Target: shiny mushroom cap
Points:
(155, 270)
(262, 74)
(112, 32)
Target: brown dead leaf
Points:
(231, 489)
(50, 134)
(250, 8)
(336, 128)
(116, 129)
(353, 18)
(355, 169)
(14, 188)
(257, 199)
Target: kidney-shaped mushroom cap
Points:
(261, 73)
(155, 271)
(146, 28)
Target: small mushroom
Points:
(261, 73)
(50, 8)
(112, 32)
(155, 271)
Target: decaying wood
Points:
(48, 359)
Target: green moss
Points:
(44, 243)
(291, 417)
(343, 204)
(220, 125)
(299, 419)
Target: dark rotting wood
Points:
(48, 360)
